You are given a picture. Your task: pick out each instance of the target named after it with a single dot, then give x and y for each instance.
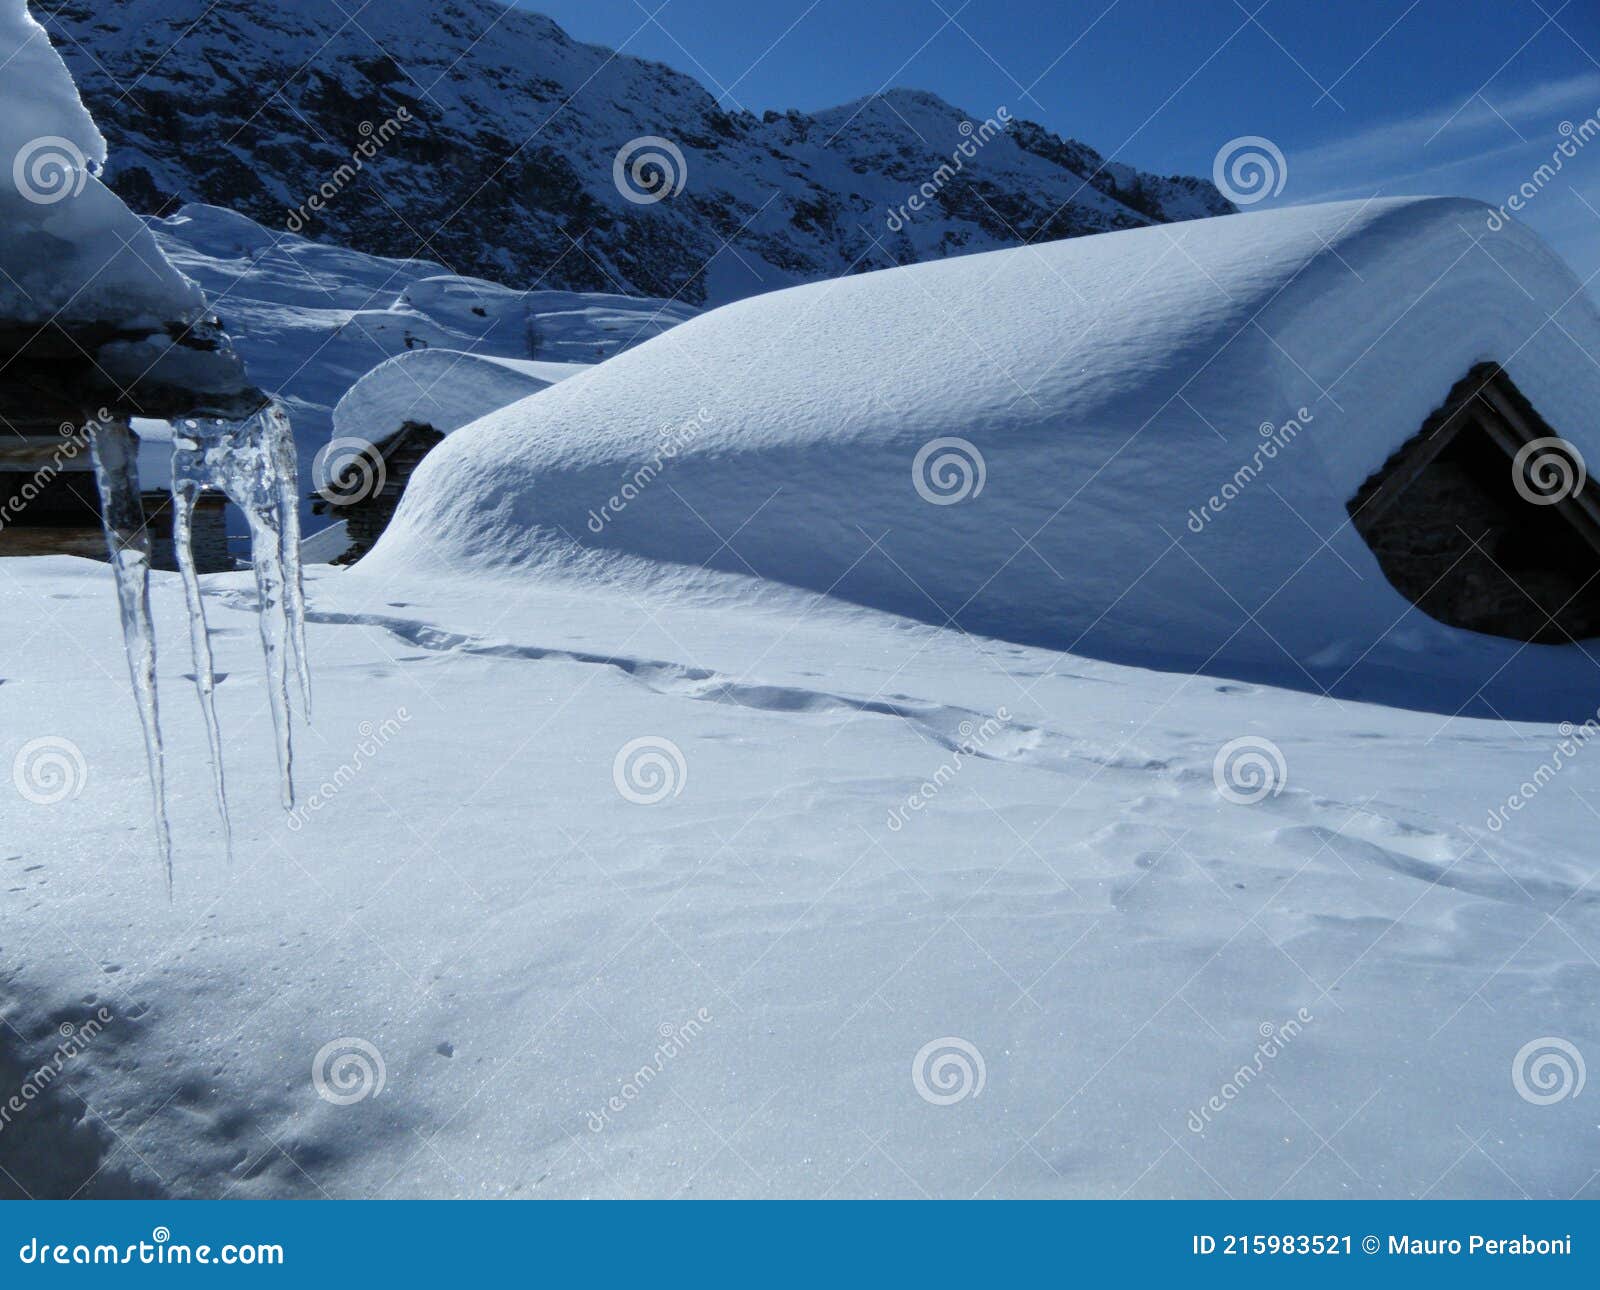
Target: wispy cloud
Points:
(1487, 124)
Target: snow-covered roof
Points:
(75, 258)
(1112, 386)
(325, 545)
(69, 247)
(444, 388)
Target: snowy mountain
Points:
(489, 140)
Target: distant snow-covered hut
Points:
(392, 417)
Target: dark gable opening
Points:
(1484, 520)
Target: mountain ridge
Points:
(488, 139)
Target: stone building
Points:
(366, 492)
(1483, 521)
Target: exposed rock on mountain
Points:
(487, 139)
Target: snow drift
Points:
(1080, 406)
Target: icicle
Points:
(252, 462)
(280, 439)
(271, 610)
(122, 517)
(184, 493)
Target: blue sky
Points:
(1361, 96)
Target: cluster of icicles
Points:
(252, 462)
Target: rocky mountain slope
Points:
(487, 139)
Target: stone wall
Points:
(1456, 538)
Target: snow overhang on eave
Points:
(55, 372)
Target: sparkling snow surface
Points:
(475, 899)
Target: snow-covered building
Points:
(393, 417)
(1155, 446)
(96, 327)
